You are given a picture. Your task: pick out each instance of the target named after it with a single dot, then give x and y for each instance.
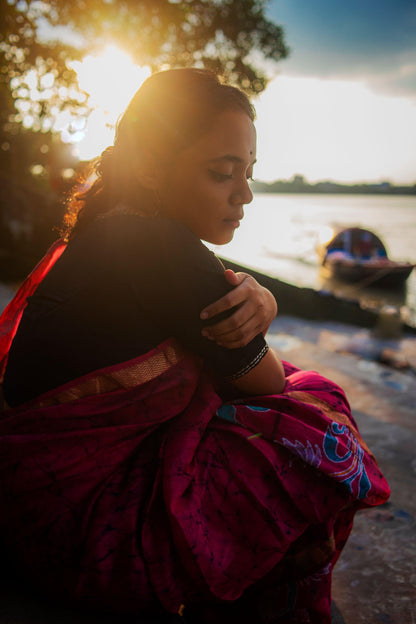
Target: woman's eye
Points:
(218, 176)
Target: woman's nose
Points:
(243, 194)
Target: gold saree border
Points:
(126, 376)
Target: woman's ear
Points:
(147, 168)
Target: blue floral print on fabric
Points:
(354, 469)
(227, 412)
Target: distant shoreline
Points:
(298, 184)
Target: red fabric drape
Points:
(10, 319)
(156, 493)
(136, 488)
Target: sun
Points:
(111, 79)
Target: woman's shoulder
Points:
(180, 239)
(156, 245)
(132, 225)
(135, 233)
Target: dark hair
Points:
(168, 113)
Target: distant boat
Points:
(359, 256)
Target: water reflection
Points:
(280, 234)
(369, 296)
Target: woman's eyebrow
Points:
(230, 158)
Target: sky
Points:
(343, 105)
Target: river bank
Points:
(308, 303)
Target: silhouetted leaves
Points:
(40, 38)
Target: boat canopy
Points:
(357, 242)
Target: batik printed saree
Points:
(136, 488)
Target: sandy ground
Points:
(375, 579)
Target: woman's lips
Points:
(234, 223)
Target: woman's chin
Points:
(224, 236)
(218, 240)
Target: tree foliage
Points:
(38, 39)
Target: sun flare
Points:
(110, 79)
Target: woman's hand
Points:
(256, 309)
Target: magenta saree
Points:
(135, 487)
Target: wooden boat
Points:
(358, 255)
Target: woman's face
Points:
(206, 186)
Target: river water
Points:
(280, 232)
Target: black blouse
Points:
(123, 285)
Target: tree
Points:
(38, 41)
(232, 37)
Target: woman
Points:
(159, 458)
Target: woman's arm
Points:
(268, 377)
(256, 309)
(187, 279)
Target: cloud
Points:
(372, 41)
(339, 130)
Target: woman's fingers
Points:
(237, 330)
(255, 308)
(230, 300)
(239, 337)
(232, 323)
